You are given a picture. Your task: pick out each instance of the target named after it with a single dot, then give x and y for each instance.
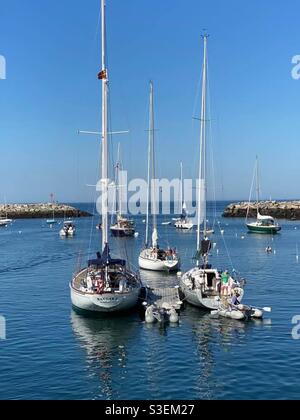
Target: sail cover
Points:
(265, 218)
(205, 246)
(105, 259)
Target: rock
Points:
(278, 209)
(40, 211)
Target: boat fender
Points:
(149, 316)
(173, 316)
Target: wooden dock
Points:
(164, 298)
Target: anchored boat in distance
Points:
(263, 224)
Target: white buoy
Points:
(136, 235)
(222, 232)
(243, 237)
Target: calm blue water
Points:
(52, 353)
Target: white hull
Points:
(68, 234)
(108, 302)
(240, 314)
(146, 262)
(5, 222)
(184, 225)
(237, 315)
(196, 296)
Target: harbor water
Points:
(50, 352)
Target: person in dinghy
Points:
(240, 311)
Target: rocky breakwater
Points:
(40, 211)
(278, 209)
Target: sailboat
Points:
(183, 223)
(52, 221)
(201, 285)
(263, 224)
(106, 284)
(123, 226)
(5, 221)
(152, 256)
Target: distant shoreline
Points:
(41, 211)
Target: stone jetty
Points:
(278, 209)
(40, 211)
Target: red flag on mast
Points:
(102, 75)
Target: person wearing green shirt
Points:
(225, 280)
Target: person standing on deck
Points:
(225, 280)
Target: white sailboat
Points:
(123, 227)
(5, 221)
(183, 223)
(263, 224)
(106, 285)
(52, 221)
(152, 256)
(202, 284)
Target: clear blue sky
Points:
(51, 91)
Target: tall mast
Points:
(118, 183)
(153, 177)
(202, 165)
(104, 132)
(149, 189)
(181, 189)
(257, 184)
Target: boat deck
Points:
(164, 298)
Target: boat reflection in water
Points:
(216, 341)
(162, 279)
(201, 358)
(105, 340)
